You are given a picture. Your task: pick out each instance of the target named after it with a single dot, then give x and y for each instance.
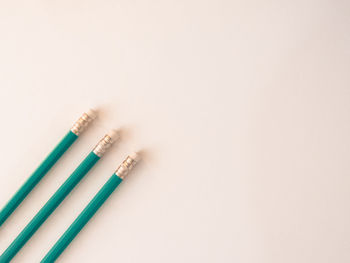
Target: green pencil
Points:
(58, 196)
(46, 165)
(90, 209)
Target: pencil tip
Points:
(114, 134)
(92, 113)
(135, 156)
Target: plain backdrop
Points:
(241, 109)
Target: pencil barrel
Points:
(49, 207)
(82, 219)
(37, 175)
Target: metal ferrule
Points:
(103, 145)
(125, 167)
(80, 125)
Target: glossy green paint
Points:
(38, 174)
(82, 219)
(49, 207)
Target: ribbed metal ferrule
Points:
(81, 124)
(125, 167)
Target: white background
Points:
(241, 107)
